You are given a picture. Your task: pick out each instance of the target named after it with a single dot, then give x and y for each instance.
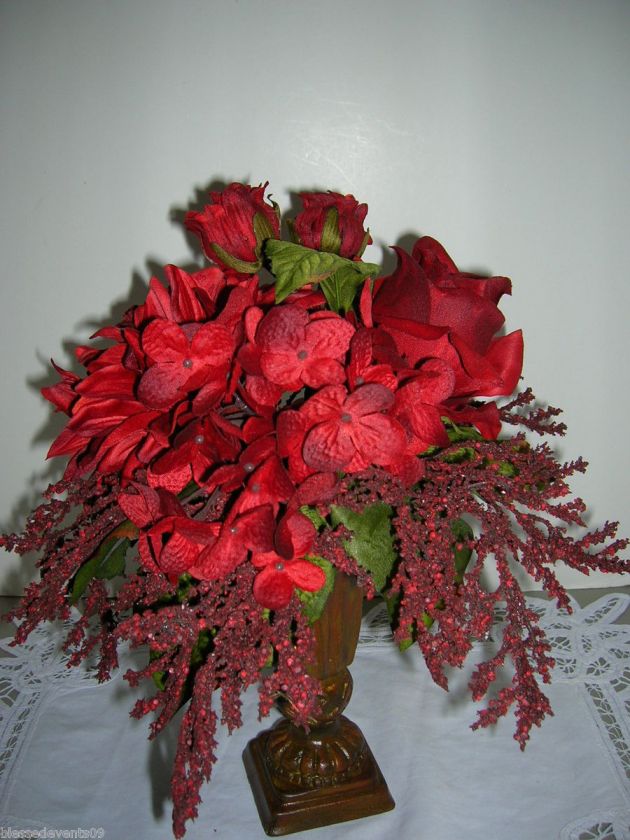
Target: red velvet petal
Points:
(325, 404)
(369, 399)
(172, 477)
(329, 337)
(178, 555)
(253, 317)
(305, 575)
(291, 428)
(381, 375)
(158, 301)
(428, 427)
(142, 507)
(282, 329)
(262, 391)
(433, 257)
(164, 341)
(320, 372)
(365, 304)
(484, 417)
(218, 560)
(379, 439)
(404, 294)
(360, 354)
(273, 588)
(282, 368)
(213, 345)
(108, 382)
(96, 417)
(67, 443)
(328, 446)
(294, 535)
(409, 469)
(186, 305)
(146, 556)
(255, 528)
(506, 354)
(261, 559)
(474, 319)
(160, 385)
(315, 489)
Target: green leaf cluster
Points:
(372, 543)
(313, 603)
(106, 563)
(463, 533)
(295, 266)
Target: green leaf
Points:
(457, 456)
(392, 603)
(313, 603)
(312, 513)
(340, 289)
(295, 266)
(107, 562)
(456, 433)
(198, 656)
(262, 228)
(158, 677)
(463, 533)
(507, 469)
(331, 237)
(372, 545)
(241, 266)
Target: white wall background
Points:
(500, 127)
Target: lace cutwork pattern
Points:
(590, 649)
(30, 676)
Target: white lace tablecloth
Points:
(73, 763)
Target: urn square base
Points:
(285, 810)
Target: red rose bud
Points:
(332, 222)
(234, 227)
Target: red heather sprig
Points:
(235, 443)
(217, 641)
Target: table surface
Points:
(71, 758)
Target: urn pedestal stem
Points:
(302, 780)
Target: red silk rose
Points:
(443, 314)
(332, 222)
(233, 228)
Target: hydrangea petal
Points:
(273, 589)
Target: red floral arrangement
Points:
(287, 413)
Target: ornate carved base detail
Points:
(324, 756)
(347, 783)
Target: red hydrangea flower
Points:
(284, 567)
(184, 358)
(169, 540)
(349, 431)
(332, 222)
(259, 392)
(418, 404)
(234, 538)
(108, 426)
(233, 228)
(297, 349)
(361, 368)
(195, 450)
